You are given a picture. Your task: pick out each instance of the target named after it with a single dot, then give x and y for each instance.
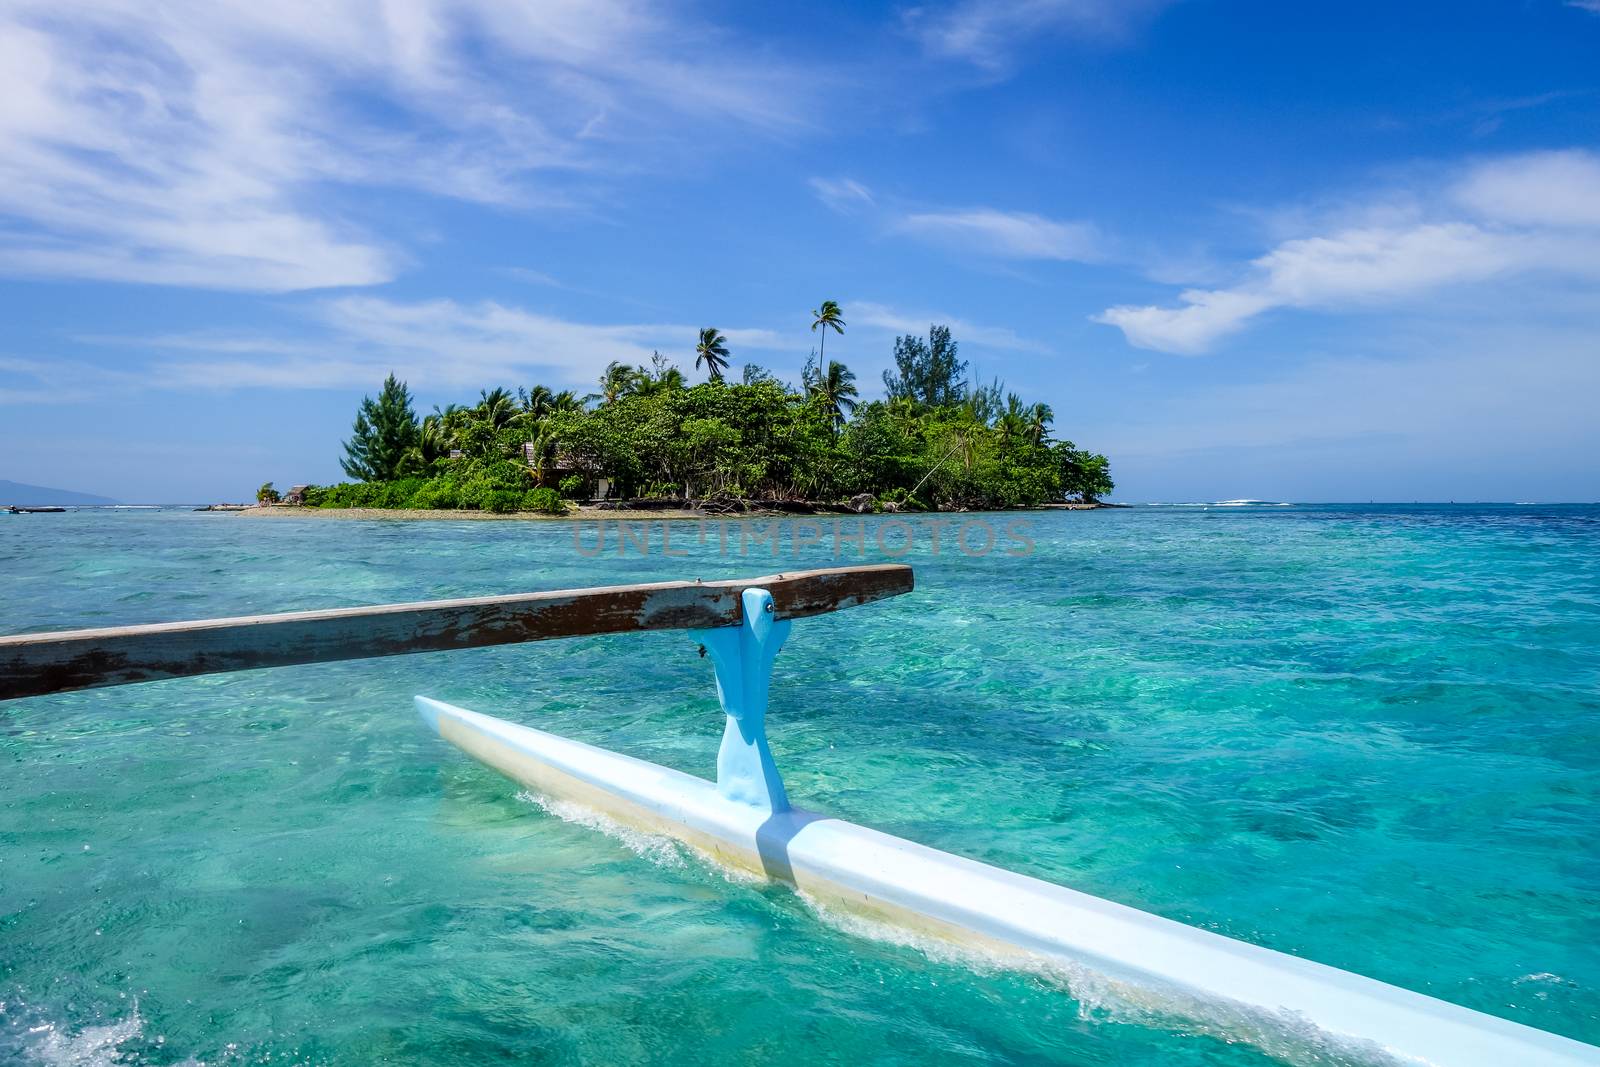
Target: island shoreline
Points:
(620, 514)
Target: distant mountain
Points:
(34, 496)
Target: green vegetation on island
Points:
(937, 441)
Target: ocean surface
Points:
(1368, 735)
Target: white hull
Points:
(1287, 1005)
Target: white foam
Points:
(1120, 963)
(1101, 998)
(658, 849)
(93, 1046)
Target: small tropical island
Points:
(648, 438)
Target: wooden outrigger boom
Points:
(1289, 1006)
(34, 664)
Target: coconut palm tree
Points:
(1039, 418)
(536, 401)
(1013, 421)
(437, 436)
(836, 389)
(615, 383)
(541, 450)
(650, 385)
(661, 376)
(713, 352)
(906, 410)
(498, 407)
(828, 315)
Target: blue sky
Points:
(1291, 251)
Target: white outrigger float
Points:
(1289, 1006)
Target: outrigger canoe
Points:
(1290, 1007)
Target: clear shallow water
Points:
(1370, 736)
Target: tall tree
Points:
(755, 374)
(929, 372)
(984, 402)
(662, 376)
(386, 437)
(497, 407)
(826, 316)
(615, 383)
(437, 435)
(713, 352)
(542, 449)
(1013, 421)
(836, 389)
(536, 401)
(1039, 416)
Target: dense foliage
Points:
(937, 441)
(384, 433)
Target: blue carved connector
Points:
(743, 658)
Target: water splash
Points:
(47, 1043)
(659, 849)
(1284, 1036)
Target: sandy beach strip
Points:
(582, 514)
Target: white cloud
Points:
(868, 315)
(353, 341)
(1535, 213)
(1539, 189)
(1008, 234)
(1445, 412)
(533, 277)
(58, 381)
(356, 340)
(1591, 6)
(843, 195)
(987, 33)
(1205, 318)
(209, 142)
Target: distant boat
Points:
(31, 511)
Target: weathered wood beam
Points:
(34, 664)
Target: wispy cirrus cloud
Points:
(1551, 189)
(1318, 428)
(990, 33)
(844, 195)
(213, 144)
(983, 229)
(354, 341)
(32, 382)
(869, 315)
(1005, 234)
(1497, 219)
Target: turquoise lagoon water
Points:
(1366, 735)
